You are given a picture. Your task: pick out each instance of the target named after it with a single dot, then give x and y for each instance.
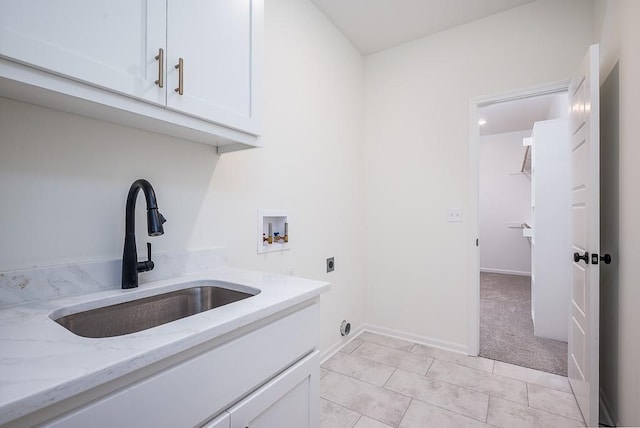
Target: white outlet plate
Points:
(454, 215)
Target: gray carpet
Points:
(506, 329)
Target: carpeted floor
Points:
(506, 329)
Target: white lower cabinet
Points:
(267, 377)
(291, 400)
(220, 422)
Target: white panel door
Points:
(219, 43)
(110, 44)
(585, 292)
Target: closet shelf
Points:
(526, 161)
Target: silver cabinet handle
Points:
(180, 67)
(160, 59)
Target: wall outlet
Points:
(331, 265)
(454, 215)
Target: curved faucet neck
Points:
(149, 195)
(130, 264)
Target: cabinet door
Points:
(219, 42)
(290, 400)
(110, 44)
(221, 421)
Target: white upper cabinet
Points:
(219, 46)
(109, 44)
(112, 54)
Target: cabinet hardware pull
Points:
(160, 58)
(180, 67)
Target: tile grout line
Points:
(405, 411)
(557, 414)
(539, 410)
(364, 358)
(476, 391)
(534, 370)
(486, 419)
(554, 413)
(499, 376)
(360, 380)
(459, 364)
(395, 367)
(384, 423)
(354, 349)
(439, 406)
(358, 420)
(387, 381)
(344, 407)
(433, 360)
(390, 347)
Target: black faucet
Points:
(130, 264)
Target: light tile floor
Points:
(377, 381)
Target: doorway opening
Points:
(512, 282)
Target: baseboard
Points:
(505, 271)
(429, 341)
(423, 340)
(606, 415)
(336, 347)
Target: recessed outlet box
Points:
(273, 231)
(331, 264)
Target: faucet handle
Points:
(148, 264)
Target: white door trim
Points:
(474, 226)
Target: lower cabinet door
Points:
(290, 400)
(221, 421)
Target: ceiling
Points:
(520, 115)
(374, 25)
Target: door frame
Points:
(473, 347)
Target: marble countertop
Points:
(42, 363)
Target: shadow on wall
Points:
(609, 239)
(64, 181)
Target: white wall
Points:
(416, 153)
(64, 178)
(505, 198)
(617, 30)
(559, 108)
